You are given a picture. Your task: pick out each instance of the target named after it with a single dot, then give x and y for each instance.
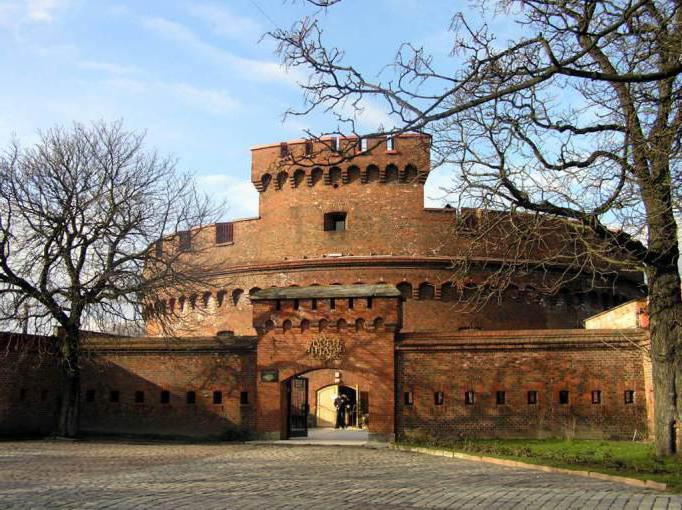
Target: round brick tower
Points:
(327, 219)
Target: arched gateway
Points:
(294, 362)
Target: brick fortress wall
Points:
(29, 385)
(403, 374)
(580, 362)
(389, 237)
(169, 387)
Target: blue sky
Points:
(193, 74)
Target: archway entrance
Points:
(325, 410)
(308, 410)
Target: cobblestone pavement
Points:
(54, 474)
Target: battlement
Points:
(334, 161)
(336, 308)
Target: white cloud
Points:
(211, 101)
(439, 188)
(9, 14)
(14, 13)
(43, 10)
(240, 196)
(107, 67)
(225, 23)
(264, 70)
(373, 117)
(368, 116)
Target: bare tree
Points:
(82, 219)
(578, 122)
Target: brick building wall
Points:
(389, 237)
(169, 387)
(367, 357)
(29, 385)
(377, 360)
(228, 307)
(580, 362)
(633, 314)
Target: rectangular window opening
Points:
(217, 397)
(409, 398)
(165, 397)
(185, 240)
(139, 397)
(500, 398)
(563, 397)
(308, 148)
(629, 396)
(390, 145)
(23, 394)
(469, 398)
(114, 396)
(224, 232)
(351, 303)
(244, 398)
(297, 304)
(532, 397)
(335, 221)
(369, 303)
(90, 396)
(283, 150)
(363, 144)
(596, 397)
(158, 249)
(332, 304)
(438, 398)
(313, 304)
(191, 397)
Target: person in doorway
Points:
(340, 405)
(348, 415)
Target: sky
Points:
(198, 76)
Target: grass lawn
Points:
(622, 458)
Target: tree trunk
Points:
(71, 385)
(665, 310)
(68, 414)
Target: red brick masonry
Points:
(580, 362)
(376, 358)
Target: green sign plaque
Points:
(269, 375)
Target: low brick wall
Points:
(547, 362)
(169, 387)
(208, 386)
(29, 385)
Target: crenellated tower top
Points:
(335, 161)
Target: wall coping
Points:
(16, 342)
(326, 291)
(381, 260)
(169, 344)
(523, 339)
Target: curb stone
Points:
(644, 484)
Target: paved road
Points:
(55, 474)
